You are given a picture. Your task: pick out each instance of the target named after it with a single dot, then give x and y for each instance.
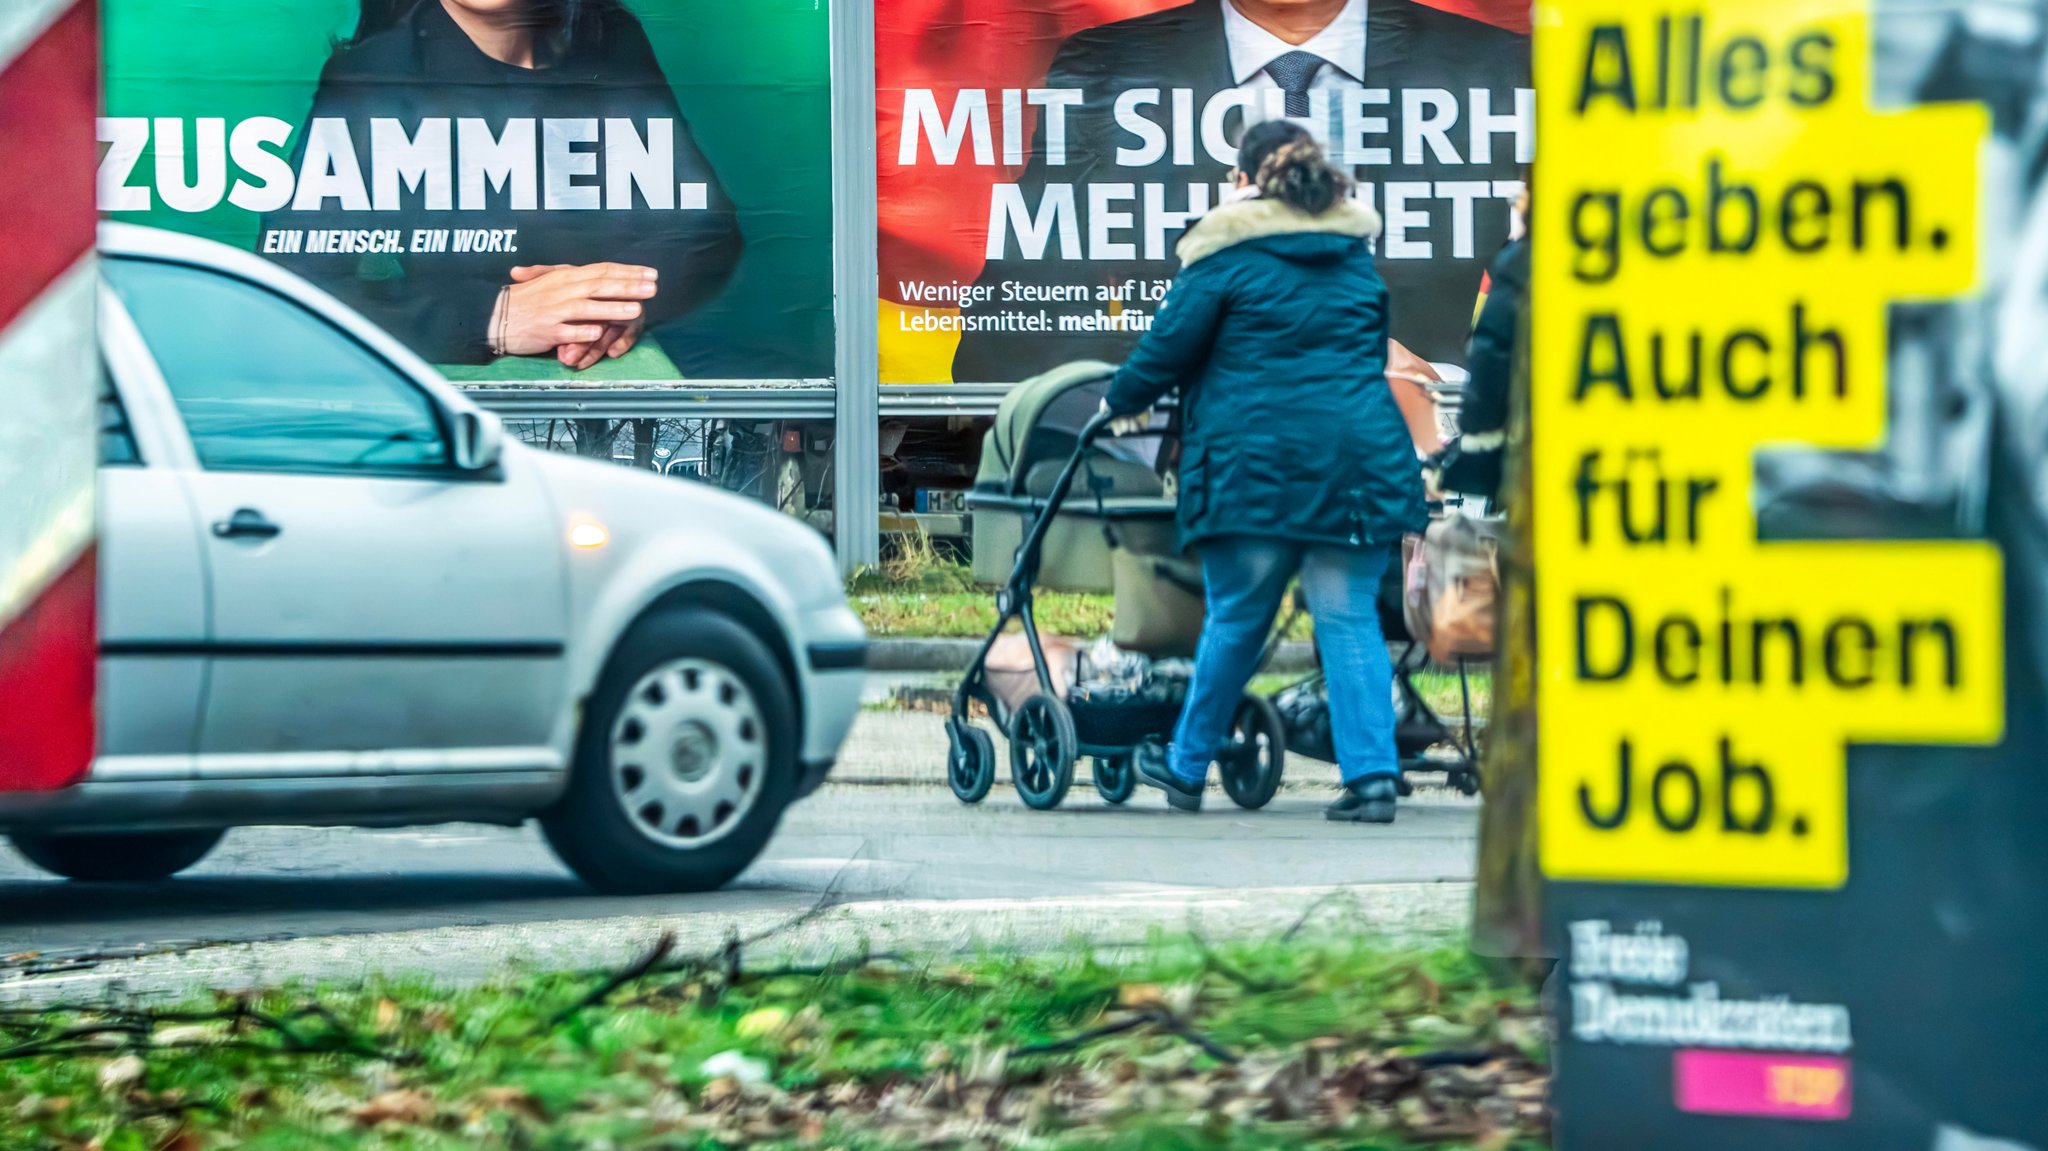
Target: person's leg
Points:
(1244, 580)
(1342, 585)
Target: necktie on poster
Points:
(1295, 72)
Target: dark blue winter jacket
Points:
(1276, 334)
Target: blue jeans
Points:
(1245, 578)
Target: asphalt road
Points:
(903, 861)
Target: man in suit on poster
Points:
(1420, 102)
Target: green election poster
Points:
(490, 180)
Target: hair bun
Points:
(1298, 175)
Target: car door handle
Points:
(246, 523)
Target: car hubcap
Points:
(695, 753)
(688, 753)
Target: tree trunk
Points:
(593, 438)
(1507, 914)
(643, 442)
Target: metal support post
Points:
(856, 463)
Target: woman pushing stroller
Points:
(1295, 457)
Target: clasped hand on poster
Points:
(582, 313)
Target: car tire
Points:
(132, 858)
(686, 760)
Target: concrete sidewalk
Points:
(883, 854)
(900, 867)
(788, 927)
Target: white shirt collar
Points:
(1342, 43)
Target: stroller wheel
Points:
(1042, 751)
(1467, 781)
(970, 763)
(1251, 763)
(1115, 779)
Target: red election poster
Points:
(1038, 158)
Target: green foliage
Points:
(970, 615)
(917, 593)
(920, 593)
(862, 1055)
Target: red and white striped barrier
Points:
(49, 94)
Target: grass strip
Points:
(1314, 1041)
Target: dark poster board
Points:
(1792, 659)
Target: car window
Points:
(117, 438)
(264, 384)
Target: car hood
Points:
(641, 510)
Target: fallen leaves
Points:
(182, 1139)
(1236, 1046)
(1361, 1093)
(389, 1016)
(35, 1106)
(762, 1023)
(191, 1035)
(511, 1101)
(412, 1106)
(120, 1076)
(737, 1066)
(1133, 996)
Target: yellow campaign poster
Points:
(1790, 571)
(1722, 220)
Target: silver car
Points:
(333, 592)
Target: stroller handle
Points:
(1100, 421)
(1096, 425)
(1034, 538)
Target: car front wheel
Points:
(131, 858)
(686, 759)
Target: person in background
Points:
(583, 286)
(1472, 464)
(1295, 457)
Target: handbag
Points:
(1452, 587)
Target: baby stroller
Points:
(1050, 437)
(1424, 739)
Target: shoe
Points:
(1370, 800)
(1156, 770)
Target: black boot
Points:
(1155, 769)
(1369, 800)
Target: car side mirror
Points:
(479, 440)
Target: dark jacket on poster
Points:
(1408, 45)
(1474, 464)
(439, 304)
(1276, 334)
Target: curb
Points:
(794, 925)
(936, 655)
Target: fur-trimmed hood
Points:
(1296, 314)
(1253, 219)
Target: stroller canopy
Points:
(1039, 422)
